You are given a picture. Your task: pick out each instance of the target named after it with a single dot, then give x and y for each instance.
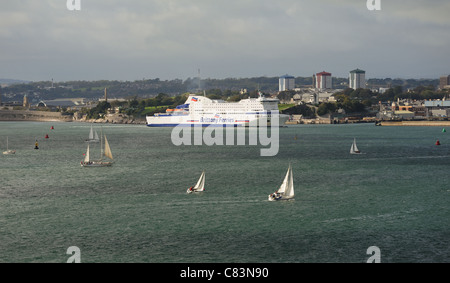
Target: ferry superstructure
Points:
(201, 111)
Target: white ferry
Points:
(202, 111)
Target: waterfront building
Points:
(286, 82)
(437, 108)
(323, 80)
(357, 79)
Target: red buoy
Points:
(46, 136)
(438, 143)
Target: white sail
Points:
(286, 190)
(93, 136)
(287, 187)
(108, 152)
(354, 148)
(200, 186)
(86, 158)
(91, 133)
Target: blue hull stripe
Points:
(192, 125)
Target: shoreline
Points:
(416, 123)
(44, 116)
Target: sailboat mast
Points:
(101, 144)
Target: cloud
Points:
(173, 38)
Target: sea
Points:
(389, 204)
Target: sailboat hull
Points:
(188, 191)
(278, 198)
(96, 164)
(8, 151)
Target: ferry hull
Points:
(177, 122)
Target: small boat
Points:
(286, 190)
(87, 162)
(199, 187)
(93, 136)
(354, 149)
(8, 151)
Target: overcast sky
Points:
(173, 39)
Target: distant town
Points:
(318, 99)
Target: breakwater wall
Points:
(28, 115)
(44, 116)
(417, 123)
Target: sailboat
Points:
(87, 162)
(93, 136)
(199, 187)
(286, 190)
(354, 149)
(8, 151)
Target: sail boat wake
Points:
(286, 190)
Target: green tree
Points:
(325, 108)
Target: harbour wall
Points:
(416, 123)
(27, 115)
(44, 116)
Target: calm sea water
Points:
(394, 196)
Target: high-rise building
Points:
(323, 80)
(444, 82)
(26, 104)
(286, 82)
(357, 79)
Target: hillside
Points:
(14, 90)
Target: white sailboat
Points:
(354, 149)
(286, 190)
(8, 151)
(87, 162)
(93, 136)
(199, 187)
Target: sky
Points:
(180, 39)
